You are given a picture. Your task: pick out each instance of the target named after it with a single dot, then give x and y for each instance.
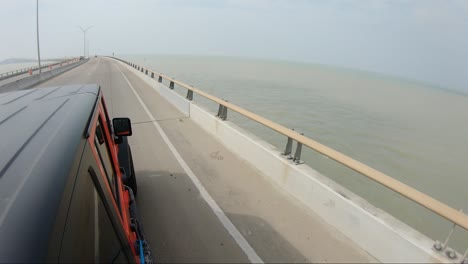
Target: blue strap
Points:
(142, 257)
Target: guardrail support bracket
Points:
(222, 112)
(297, 154)
(160, 78)
(465, 257)
(152, 75)
(146, 72)
(171, 85)
(189, 95)
(443, 247)
(288, 149)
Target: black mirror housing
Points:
(122, 126)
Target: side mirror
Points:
(122, 126)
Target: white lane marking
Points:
(240, 240)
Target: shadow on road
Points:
(181, 227)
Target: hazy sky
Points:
(420, 39)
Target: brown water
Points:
(413, 132)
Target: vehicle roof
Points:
(40, 134)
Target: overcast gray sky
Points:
(421, 39)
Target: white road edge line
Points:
(240, 240)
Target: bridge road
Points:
(180, 224)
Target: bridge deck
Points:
(180, 225)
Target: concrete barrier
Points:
(380, 234)
(33, 80)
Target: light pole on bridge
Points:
(37, 29)
(84, 39)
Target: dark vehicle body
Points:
(64, 194)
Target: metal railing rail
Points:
(19, 71)
(13, 73)
(456, 217)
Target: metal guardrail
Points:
(458, 218)
(14, 73)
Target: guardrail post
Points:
(160, 79)
(297, 154)
(152, 75)
(142, 69)
(146, 72)
(287, 151)
(220, 110)
(224, 112)
(450, 253)
(464, 258)
(189, 95)
(171, 85)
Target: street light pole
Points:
(37, 29)
(84, 39)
